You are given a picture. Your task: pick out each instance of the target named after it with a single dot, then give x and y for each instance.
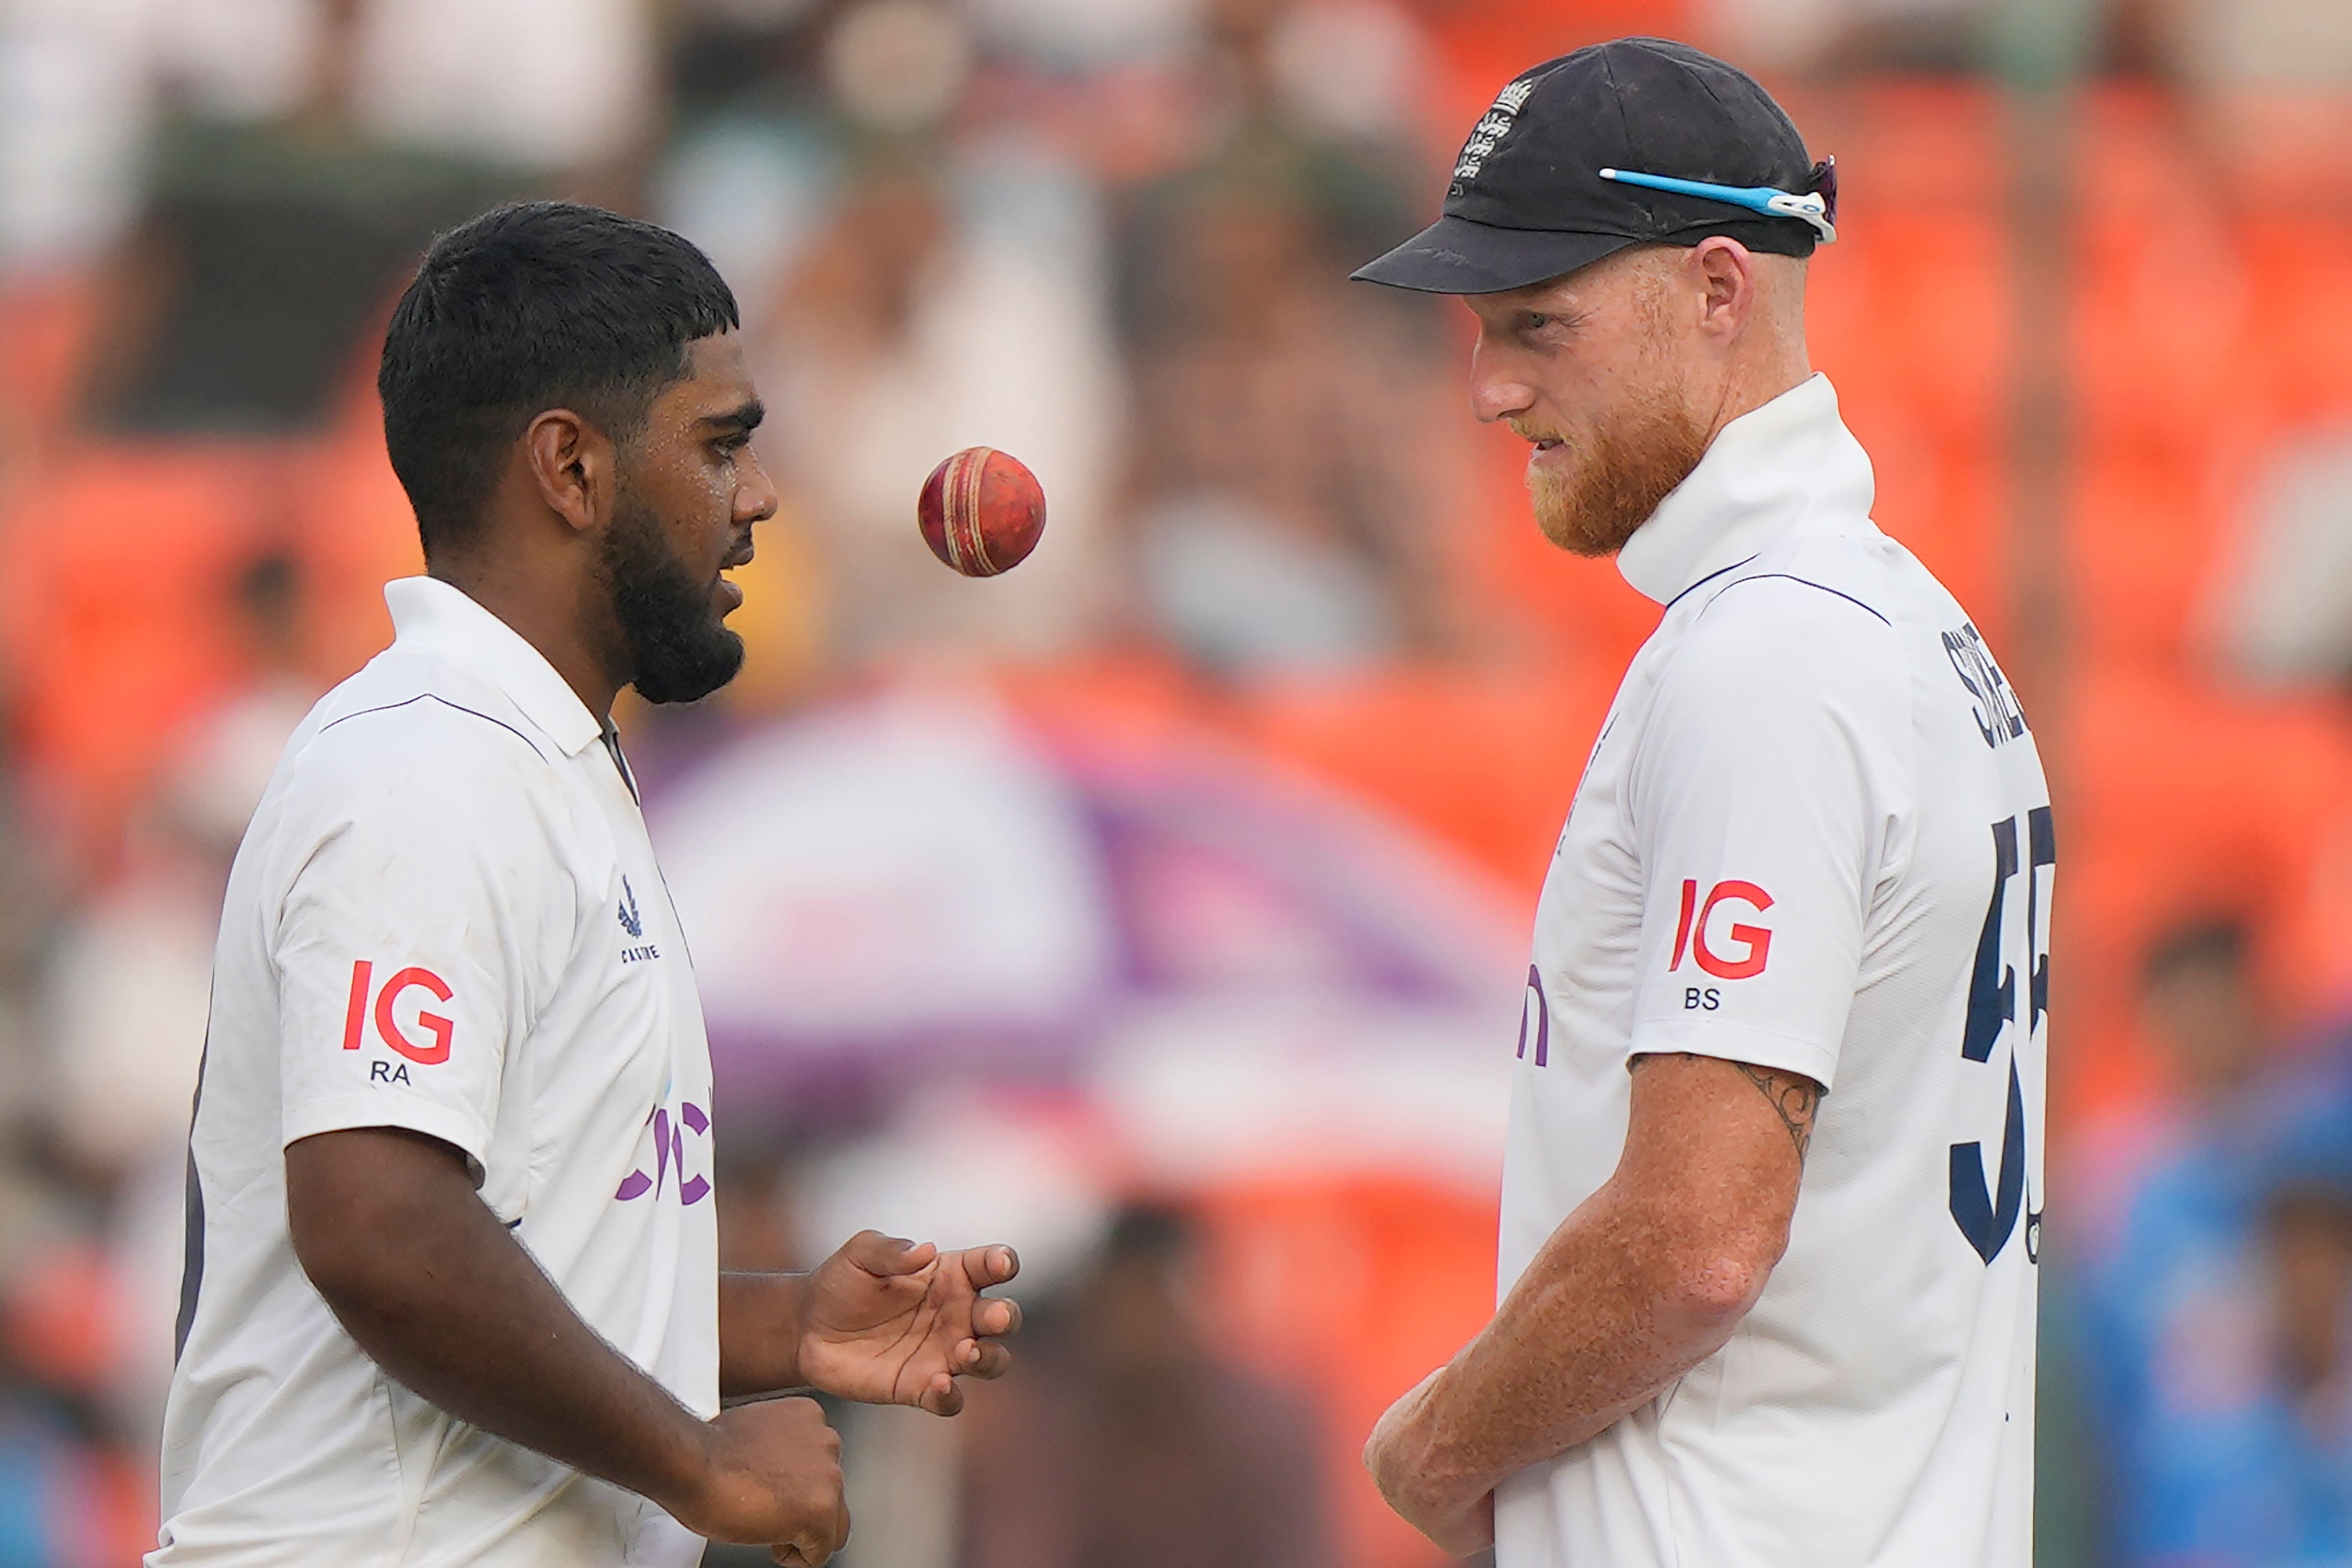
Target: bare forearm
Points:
(447, 1302)
(759, 1332)
(1643, 1281)
(1599, 1325)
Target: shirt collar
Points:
(1765, 473)
(426, 611)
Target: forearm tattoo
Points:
(1794, 1096)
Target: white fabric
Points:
(1813, 742)
(450, 819)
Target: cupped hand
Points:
(888, 1321)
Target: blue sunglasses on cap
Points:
(1816, 208)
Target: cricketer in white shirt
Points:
(1814, 835)
(452, 1293)
(1771, 1185)
(446, 917)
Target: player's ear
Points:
(571, 462)
(1727, 282)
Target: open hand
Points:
(888, 1321)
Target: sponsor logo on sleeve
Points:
(1745, 948)
(435, 1031)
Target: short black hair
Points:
(532, 306)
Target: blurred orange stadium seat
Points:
(2158, 299)
(45, 328)
(2300, 316)
(2143, 544)
(1483, 761)
(117, 564)
(1483, 43)
(2181, 798)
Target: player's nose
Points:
(755, 493)
(1495, 393)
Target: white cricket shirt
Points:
(445, 916)
(1813, 836)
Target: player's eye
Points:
(1538, 320)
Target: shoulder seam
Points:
(437, 697)
(1807, 582)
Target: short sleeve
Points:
(421, 931)
(1764, 796)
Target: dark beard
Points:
(679, 648)
(1635, 463)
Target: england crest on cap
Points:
(1488, 134)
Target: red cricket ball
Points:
(981, 511)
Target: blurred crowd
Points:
(2209, 1318)
(1184, 869)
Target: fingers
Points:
(814, 1547)
(942, 1395)
(983, 1359)
(888, 1255)
(989, 1265)
(996, 1317)
(840, 1529)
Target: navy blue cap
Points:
(1527, 203)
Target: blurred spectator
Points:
(2172, 1337)
(947, 303)
(1078, 35)
(746, 171)
(1799, 35)
(126, 992)
(226, 760)
(129, 982)
(127, 1106)
(1290, 478)
(2258, 1473)
(2211, 1369)
(2201, 1008)
(532, 86)
(2309, 1236)
(1126, 1444)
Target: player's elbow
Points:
(1711, 1291)
(1715, 1279)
